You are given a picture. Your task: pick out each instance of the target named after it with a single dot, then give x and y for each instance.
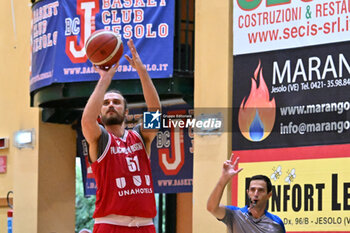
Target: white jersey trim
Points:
(121, 220)
(106, 149)
(139, 136)
(124, 136)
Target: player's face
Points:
(113, 112)
(257, 192)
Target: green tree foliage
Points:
(84, 206)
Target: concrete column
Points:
(213, 89)
(56, 173)
(44, 184)
(184, 213)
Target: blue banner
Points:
(172, 154)
(60, 28)
(89, 182)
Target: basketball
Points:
(104, 48)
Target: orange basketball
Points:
(104, 48)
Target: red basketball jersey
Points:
(123, 178)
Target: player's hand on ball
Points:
(104, 48)
(107, 74)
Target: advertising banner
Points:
(296, 97)
(311, 185)
(291, 122)
(89, 182)
(172, 156)
(265, 25)
(61, 27)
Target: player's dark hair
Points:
(264, 178)
(120, 93)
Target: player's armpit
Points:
(93, 152)
(91, 130)
(92, 133)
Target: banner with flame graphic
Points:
(297, 97)
(291, 103)
(291, 122)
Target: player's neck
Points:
(116, 130)
(257, 211)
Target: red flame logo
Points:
(257, 113)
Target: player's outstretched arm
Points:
(228, 171)
(90, 127)
(149, 91)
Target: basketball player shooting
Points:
(125, 200)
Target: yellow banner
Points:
(308, 195)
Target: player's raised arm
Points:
(228, 171)
(149, 91)
(90, 127)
